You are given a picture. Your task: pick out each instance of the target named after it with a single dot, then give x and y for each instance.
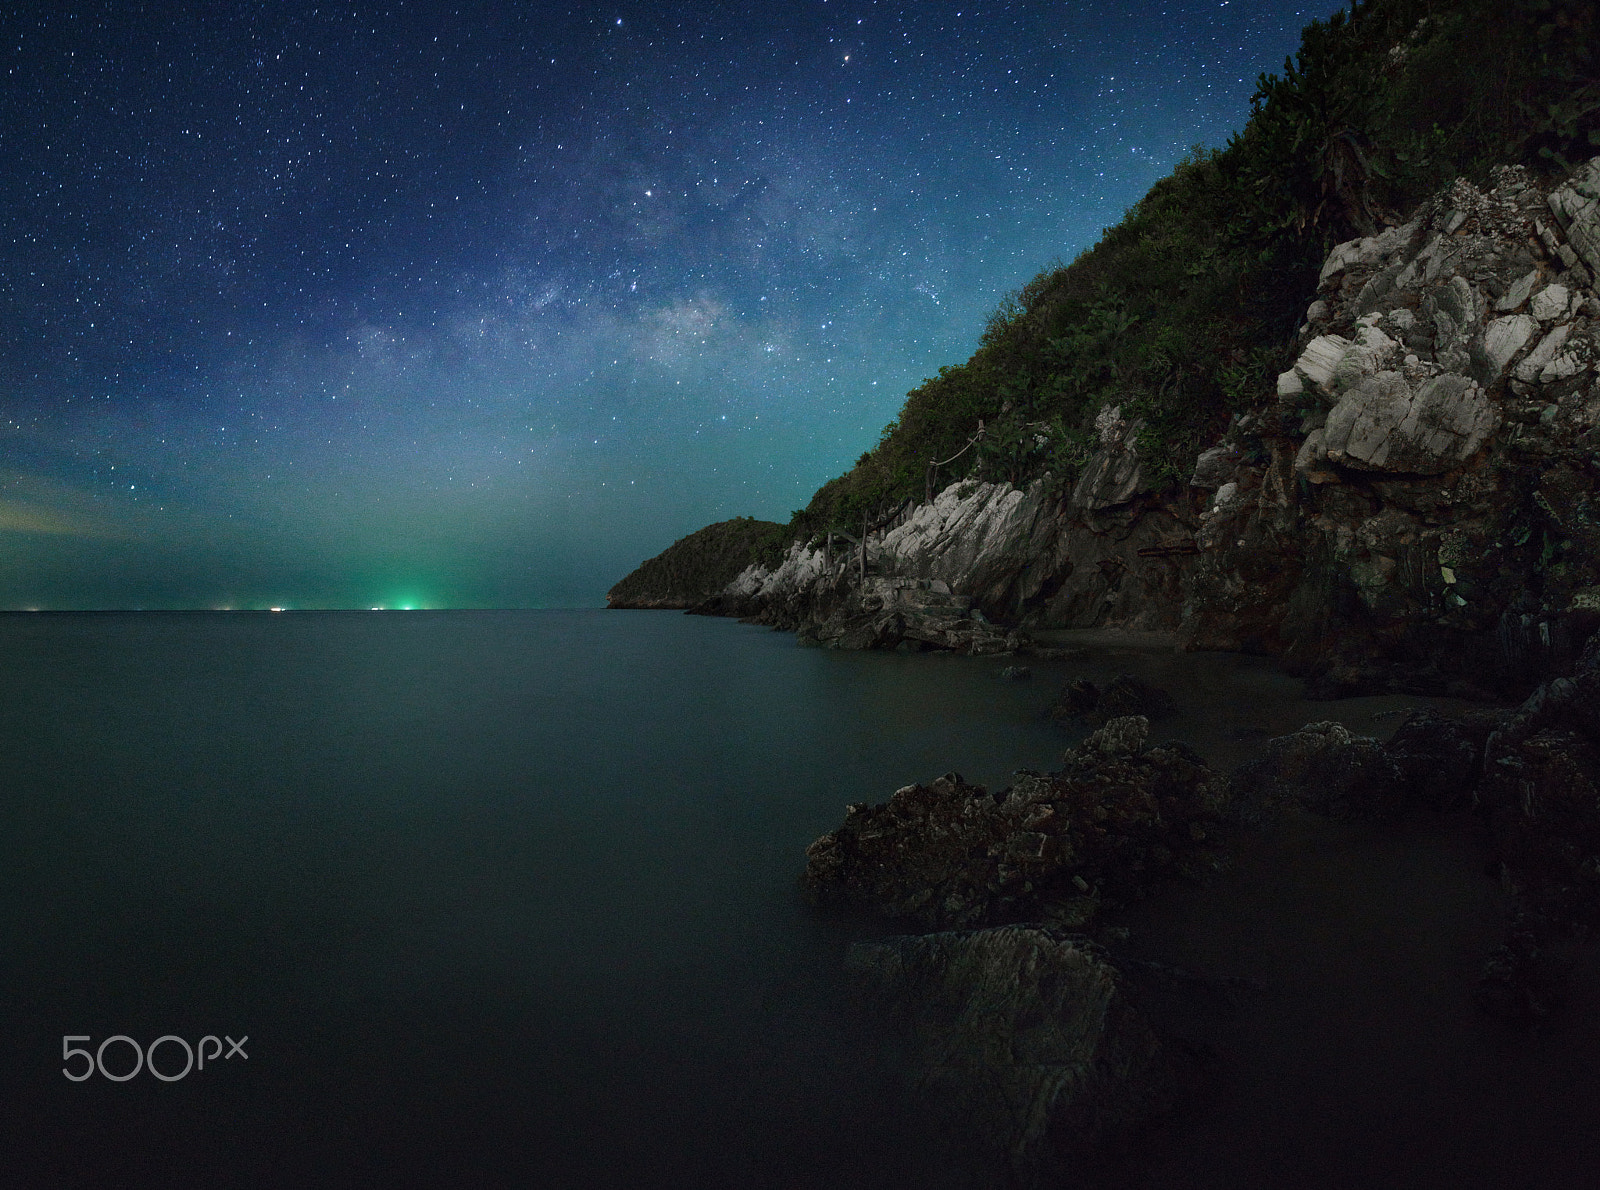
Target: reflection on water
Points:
(509, 899)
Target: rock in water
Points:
(1438, 756)
(1123, 695)
(1023, 1037)
(1324, 768)
(1117, 817)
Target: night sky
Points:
(345, 305)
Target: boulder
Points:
(1501, 340)
(1517, 294)
(1438, 756)
(1213, 468)
(1118, 816)
(1023, 1040)
(1543, 354)
(1319, 360)
(1551, 302)
(1323, 768)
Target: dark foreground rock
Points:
(1118, 816)
(1023, 1038)
(1540, 799)
(1439, 755)
(1532, 775)
(1324, 768)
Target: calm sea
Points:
(509, 899)
(497, 897)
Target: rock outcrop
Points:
(1324, 768)
(1023, 1038)
(1415, 509)
(1118, 816)
(980, 563)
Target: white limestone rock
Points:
(1513, 298)
(1576, 206)
(1385, 426)
(1551, 303)
(1321, 357)
(957, 535)
(1568, 363)
(799, 569)
(1540, 357)
(1113, 475)
(1502, 339)
(1367, 251)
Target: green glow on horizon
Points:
(406, 601)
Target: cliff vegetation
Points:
(1185, 311)
(695, 567)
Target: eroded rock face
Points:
(1118, 816)
(1113, 475)
(1006, 556)
(1576, 206)
(1022, 1036)
(1383, 425)
(1378, 528)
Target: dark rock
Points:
(1323, 768)
(1438, 756)
(1077, 701)
(1127, 695)
(1524, 980)
(1116, 818)
(1539, 796)
(1024, 1041)
(1123, 695)
(1016, 673)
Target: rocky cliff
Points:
(1412, 508)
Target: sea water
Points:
(496, 897)
(510, 898)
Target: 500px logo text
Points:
(194, 1057)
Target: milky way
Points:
(349, 304)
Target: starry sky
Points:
(480, 305)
